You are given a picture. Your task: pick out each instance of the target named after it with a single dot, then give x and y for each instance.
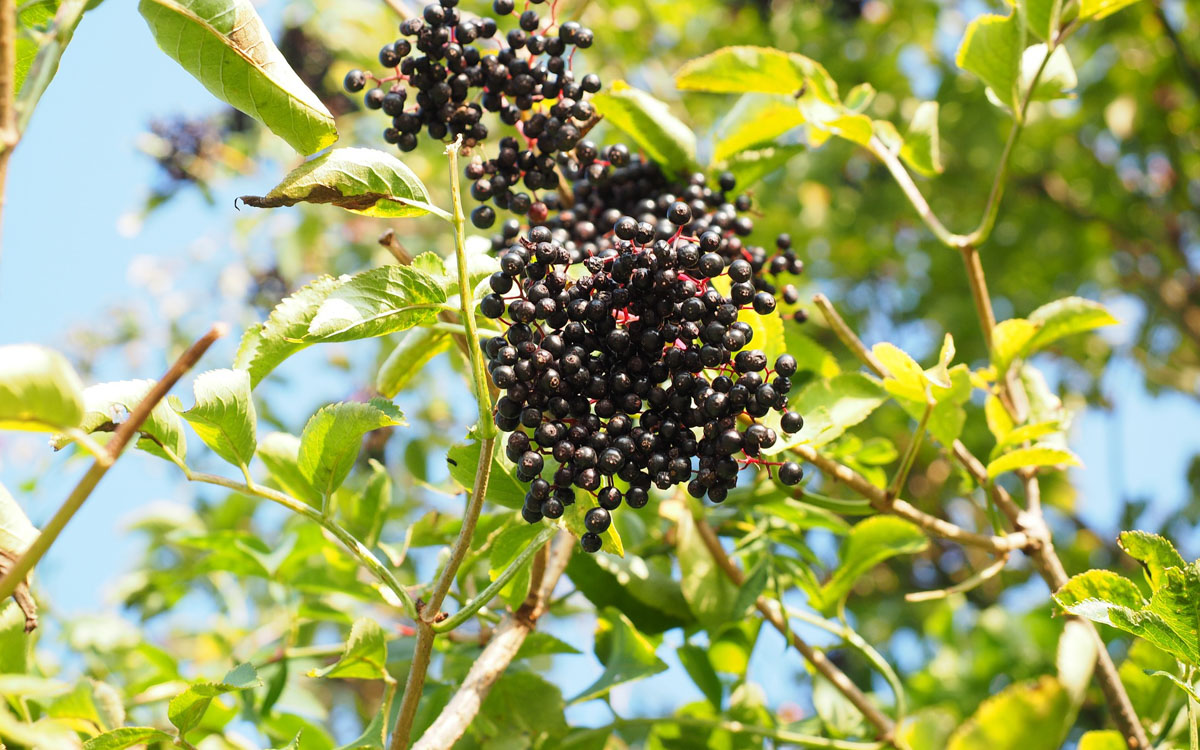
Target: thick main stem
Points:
(126, 432)
(487, 445)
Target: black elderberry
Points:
(355, 81)
(790, 473)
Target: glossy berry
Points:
(597, 520)
(590, 542)
(355, 81)
(790, 473)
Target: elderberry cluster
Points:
(531, 65)
(610, 183)
(635, 368)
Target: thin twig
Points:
(963, 586)
(848, 337)
(830, 671)
(126, 432)
(979, 293)
(348, 540)
(464, 706)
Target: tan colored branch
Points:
(817, 659)
(462, 709)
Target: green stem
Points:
(489, 593)
(466, 297)
(736, 727)
(348, 540)
(856, 641)
(456, 328)
(859, 507)
(910, 454)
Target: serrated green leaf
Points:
(226, 46)
(755, 119)
(1156, 553)
(752, 165)
(224, 415)
(39, 390)
(1179, 682)
(508, 545)
(626, 654)
(187, 709)
(1026, 433)
(1102, 585)
(119, 739)
(741, 69)
(664, 138)
(1010, 339)
(361, 180)
(1042, 17)
(869, 543)
(363, 658)
(830, 407)
(572, 521)
(922, 147)
(107, 404)
(906, 378)
(503, 487)
(991, 49)
(33, 18)
(333, 437)
(1023, 458)
(416, 348)
(90, 707)
(374, 303)
(16, 532)
(696, 663)
(265, 346)
(1102, 739)
(1098, 9)
(709, 593)
(280, 452)
(1025, 716)
(1064, 317)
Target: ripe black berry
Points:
(790, 473)
(590, 542)
(597, 520)
(355, 81)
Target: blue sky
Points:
(65, 261)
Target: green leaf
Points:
(754, 120)
(696, 663)
(503, 488)
(280, 452)
(187, 709)
(538, 643)
(224, 415)
(1025, 434)
(1057, 79)
(375, 303)
(649, 123)
(1064, 317)
(363, 658)
(1098, 9)
(226, 46)
(927, 729)
(16, 532)
(361, 180)
(737, 70)
(265, 346)
(625, 653)
(33, 19)
(374, 735)
(948, 416)
(860, 97)
(1025, 716)
(709, 593)
(106, 404)
(922, 146)
(39, 390)
(840, 717)
(1042, 17)
(522, 710)
(752, 165)
(830, 407)
(572, 521)
(643, 589)
(508, 545)
(1102, 585)
(991, 49)
(1010, 339)
(1102, 739)
(370, 508)
(416, 348)
(119, 739)
(1156, 554)
(752, 588)
(333, 436)
(869, 543)
(1023, 458)
(905, 378)
(92, 706)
